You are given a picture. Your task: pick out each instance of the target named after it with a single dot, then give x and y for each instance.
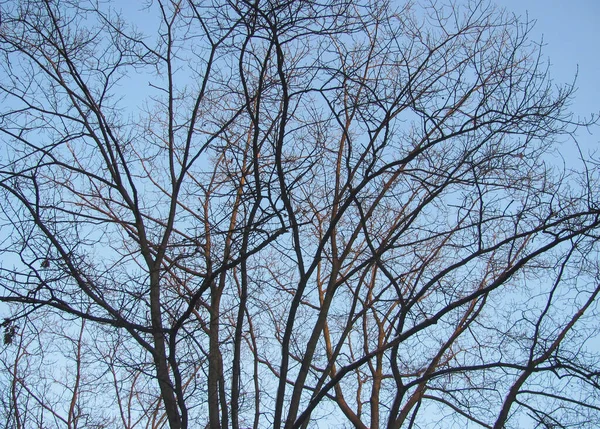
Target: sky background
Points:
(571, 35)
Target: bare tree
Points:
(290, 214)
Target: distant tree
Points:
(291, 214)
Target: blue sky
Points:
(571, 35)
(570, 31)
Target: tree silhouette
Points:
(291, 214)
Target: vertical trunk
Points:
(236, 373)
(214, 360)
(160, 356)
(14, 391)
(374, 401)
(72, 418)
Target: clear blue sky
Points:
(571, 33)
